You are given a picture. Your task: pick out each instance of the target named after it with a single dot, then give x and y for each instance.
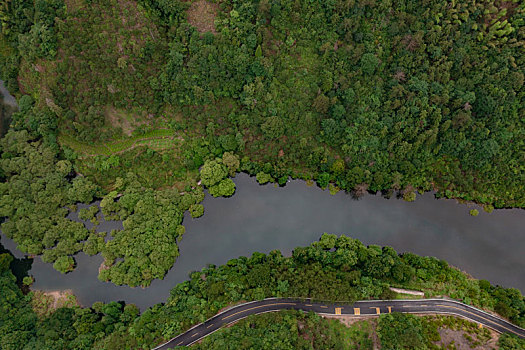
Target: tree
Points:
(509, 341)
(258, 52)
(321, 104)
(232, 162)
(27, 280)
(369, 63)
(323, 180)
(196, 210)
(409, 196)
(273, 127)
(212, 172)
(263, 178)
(400, 331)
(64, 264)
(5, 261)
(225, 188)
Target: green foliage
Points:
(225, 188)
(333, 189)
(88, 213)
(323, 180)
(5, 261)
(474, 212)
(213, 175)
(287, 330)
(369, 63)
(232, 162)
(61, 328)
(94, 244)
(409, 196)
(212, 172)
(400, 331)
(147, 246)
(430, 97)
(403, 121)
(17, 319)
(64, 264)
(196, 210)
(335, 268)
(39, 185)
(510, 342)
(263, 178)
(273, 127)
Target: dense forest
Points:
(334, 268)
(144, 103)
(367, 95)
(126, 101)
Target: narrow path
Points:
(359, 308)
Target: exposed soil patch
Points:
(119, 120)
(45, 303)
(464, 341)
(201, 15)
(348, 321)
(103, 267)
(407, 291)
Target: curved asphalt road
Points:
(359, 308)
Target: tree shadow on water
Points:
(19, 267)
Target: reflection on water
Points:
(7, 106)
(6, 96)
(263, 218)
(20, 265)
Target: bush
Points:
(400, 331)
(369, 63)
(196, 210)
(263, 178)
(64, 264)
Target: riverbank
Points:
(8, 105)
(263, 218)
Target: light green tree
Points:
(196, 210)
(225, 188)
(64, 264)
(231, 161)
(263, 178)
(273, 127)
(212, 172)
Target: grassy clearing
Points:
(45, 303)
(407, 296)
(201, 15)
(157, 139)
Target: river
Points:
(7, 106)
(263, 218)
(6, 96)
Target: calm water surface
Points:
(263, 218)
(6, 96)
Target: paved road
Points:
(360, 308)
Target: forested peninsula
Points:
(335, 268)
